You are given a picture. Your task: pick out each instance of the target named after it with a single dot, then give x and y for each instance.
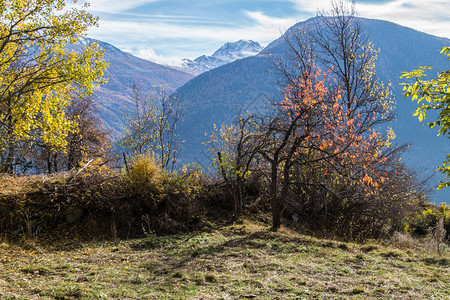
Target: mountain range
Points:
(231, 81)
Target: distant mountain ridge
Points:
(228, 53)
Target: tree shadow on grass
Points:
(243, 246)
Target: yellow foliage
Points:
(390, 136)
(38, 73)
(144, 172)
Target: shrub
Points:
(97, 201)
(144, 199)
(144, 176)
(151, 200)
(429, 217)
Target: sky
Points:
(166, 31)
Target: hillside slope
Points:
(114, 99)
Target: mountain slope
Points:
(115, 98)
(213, 96)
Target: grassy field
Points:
(232, 262)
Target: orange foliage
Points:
(332, 131)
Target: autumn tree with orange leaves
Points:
(312, 127)
(301, 118)
(318, 155)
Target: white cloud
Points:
(150, 54)
(430, 16)
(191, 36)
(308, 6)
(270, 22)
(264, 30)
(115, 6)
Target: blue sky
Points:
(166, 31)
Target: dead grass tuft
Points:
(404, 241)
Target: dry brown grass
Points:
(11, 185)
(404, 241)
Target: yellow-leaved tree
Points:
(39, 74)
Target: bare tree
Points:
(141, 124)
(89, 139)
(236, 147)
(152, 126)
(169, 114)
(343, 47)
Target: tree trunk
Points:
(55, 163)
(49, 164)
(8, 164)
(8, 167)
(276, 218)
(238, 191)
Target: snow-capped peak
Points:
(228, 53)
(237, 50)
